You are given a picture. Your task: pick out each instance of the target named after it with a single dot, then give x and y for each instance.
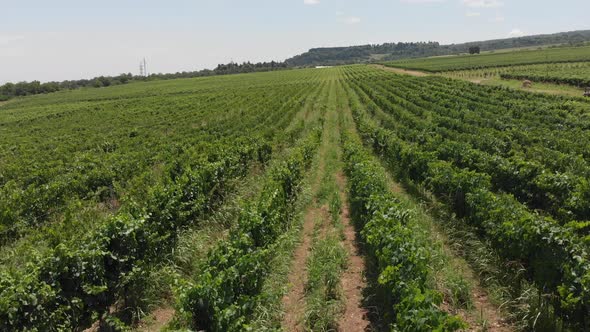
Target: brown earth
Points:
(353, 279)
(402, 71)
(323, 222)
(157, 320)
(494, 322)
(294, 300)
(483, 317)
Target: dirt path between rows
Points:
(479, 81)
(485, 316)
(355, 317)
(402, 71)
(294, 300)
(494, 322)
(158, 320)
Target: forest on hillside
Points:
(402, 50)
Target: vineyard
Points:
(562, 77)
(576, 74)
(324, 199)
(500, 59)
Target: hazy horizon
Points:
(66, 40)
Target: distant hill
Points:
(396, 51)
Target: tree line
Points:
(11, 90)
(398, 51)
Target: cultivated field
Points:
(574, 74)
(327, 199)
(486, 60)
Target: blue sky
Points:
(66, 39)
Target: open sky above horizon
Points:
(67, 39)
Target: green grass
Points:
(328, 258)
(323, 298)
(268, 312)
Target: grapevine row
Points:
(541, 183)
(77, 281)
(502, 59)
(223, 296)
(69, 285)
(46, 169)
(402, 262)
(555, 258)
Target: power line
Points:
(143, 68)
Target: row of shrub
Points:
(402, 261)
(575, 81)
(556, 260)
(78, 281)
(561, 193)
(36, 187)
(495, 60)
(224, 295)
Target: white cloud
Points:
(483, 3)
(347, 19)
(472, 14)
(352, 20)
(516, 33)
(497, 19)
(422, 1)
(9, 39)
(311, 2)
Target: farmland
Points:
(503, 59)
(575, 74)
(559, 71)
(557, 78)
(111, 188)
(309, 199)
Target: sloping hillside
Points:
(395, 51)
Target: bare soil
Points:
(294, 300)
(324, 222)
(484, 316)
(157, 320)
(353, 279)
(494, 322)
(402, 71)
